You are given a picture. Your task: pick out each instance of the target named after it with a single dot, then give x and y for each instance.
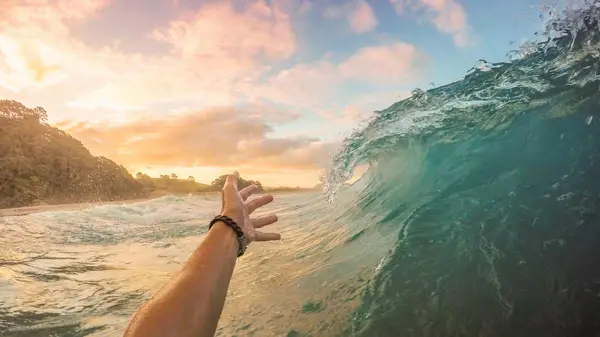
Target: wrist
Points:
(227, 235)
(227, 232)
(230, 225)
(233, 215)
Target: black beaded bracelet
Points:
(241, 237)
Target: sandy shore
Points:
(19, 211)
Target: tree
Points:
(146, 181)
(173, 176)
(192, 179)
(40, 163)
(219, 182)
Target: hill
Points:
(42, 164)
(179, 186)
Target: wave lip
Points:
(491, 184)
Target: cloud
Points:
(206, 60)
(363, 18)
(77, 9)
(362, 108)
(359, 14)
(399, 6)
(36, 47)
(224, 137)
(204, 63)
(393, 63)
(218, 29)
(448, 16)
(313, 84)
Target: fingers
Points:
(260, 236)
(231, 180)
(229, 189)
(247, 191)
(252, 205)
(264, 221)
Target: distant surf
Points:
(478, 216)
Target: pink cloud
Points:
(363, 18)
(399, 6)
(218, 29)
(196, 139)
(305, 84)
(314, 84)
(448, 16)
(452, 19)
(211, 51)
(362, 108)
(78, 9)
(36, 47)
(206, 60)
(392, 63)
(359, 14)
(348, 114)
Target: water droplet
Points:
(565, 196)
(483, 65)
(554, 243)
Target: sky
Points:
(266, 88)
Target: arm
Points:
(191, 303)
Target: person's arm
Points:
(191, 303)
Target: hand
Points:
(237, 206)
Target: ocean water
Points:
(478, 216)
(84, 273)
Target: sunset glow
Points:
(201, 88)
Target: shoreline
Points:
(26, 210)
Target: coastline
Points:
(26, 210)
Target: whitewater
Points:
(478, 216)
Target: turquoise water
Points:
(492, 184)
(84, 273)
(478, 216)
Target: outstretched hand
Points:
(191, 303)
(236, 205)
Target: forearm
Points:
(191, 303)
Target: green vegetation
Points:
(282, 189)
(146, 181)
(178, 186)
(167, 184)
(218, 183)
(42, 164)
(311, 307)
